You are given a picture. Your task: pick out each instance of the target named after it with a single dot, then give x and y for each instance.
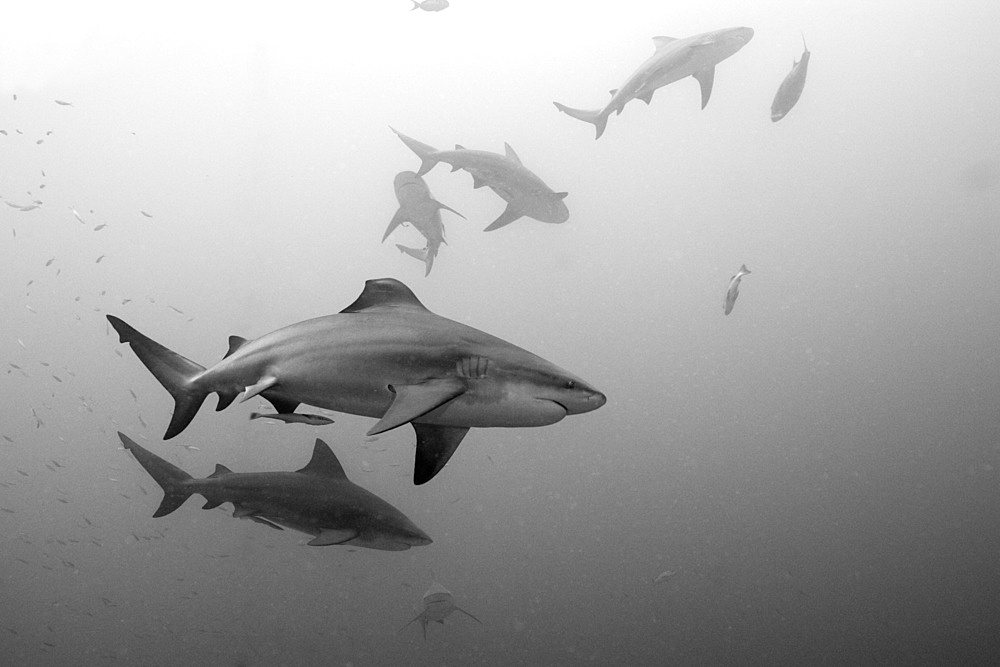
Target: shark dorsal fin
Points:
(511, 155)
(220, 470)
(324, 463)
(384, 292)
(459, 147)
(235, 343)
(661, 41)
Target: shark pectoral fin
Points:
(396, 221)
(469, 615)
(477, 182)
(415, 400)
(447, 208)
(435, 445)
(706, 78)
(281, 405)
(647, 96)
(509, 215)
(329, 536)
(262, 384)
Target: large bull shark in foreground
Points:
(673, 60)
(418, 207)
(525, 194)
(384, 356)
(317, 500)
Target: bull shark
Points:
(418, 207)
(791, 88)
(673, 60)
(733, 290)
(384, 356)
(439, 603)
(526, 194)
(317, 500)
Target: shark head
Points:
(730, 40)
(549, 393)
(548, 207)
(393, 532)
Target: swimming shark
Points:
(418, 207)
(525, 193)
(791, 87)
(733, 290)
(673, 60)
(317, 500)
(384, 356)
(439, 603)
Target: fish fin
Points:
(425, 152)
(469, 615)
(511, 155)
(262, 384)
(324, 463)
(744, 269)
(435, 445)
(235, 343)
(411, 622)
(415, 400)
(559, 195)
(177, 374)
(171, 479)
(219, 471)
(242, 512)
(477, 182)
(226, 399)
(329, 536)
(447, 208)
(509, 215)
(459, 147)
(596, 117)
(647, 96)
(397, 220)
(613, 91)
(283, 406)
(661, 41)
(706, 78)
(212, 504)
(417, 253)
(384, 292)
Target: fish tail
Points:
(425, 152)
(172, 479)
(593, 116)
(174, 372)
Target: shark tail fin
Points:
(425, 152)
(594, 116)
(172, 479)
(174, 372)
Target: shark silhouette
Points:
(384, 356)
(317, 500)
(439, 603)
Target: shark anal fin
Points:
(330, 536)
(435, 445)
(706, 78)
(415, 400)
(509, 215)
(262, 384)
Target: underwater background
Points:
(810, 480)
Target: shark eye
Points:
(570, 384)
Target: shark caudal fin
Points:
(423, 151)
(173, 371)
(596, 117)
(167, 475)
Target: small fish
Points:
(100, 227)
(76, 214)
(63, 103)
(98, 260)
(430, 5)
(49, 263)
(734, 289)
(663, 576)
(294, 418)
(145, 214)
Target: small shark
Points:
(673, 60)
(317, 500)
(791, 88)
(417, 206)
(439, 603)
(384, 356)
(294, 418)
(733, 290)
(525, 194)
